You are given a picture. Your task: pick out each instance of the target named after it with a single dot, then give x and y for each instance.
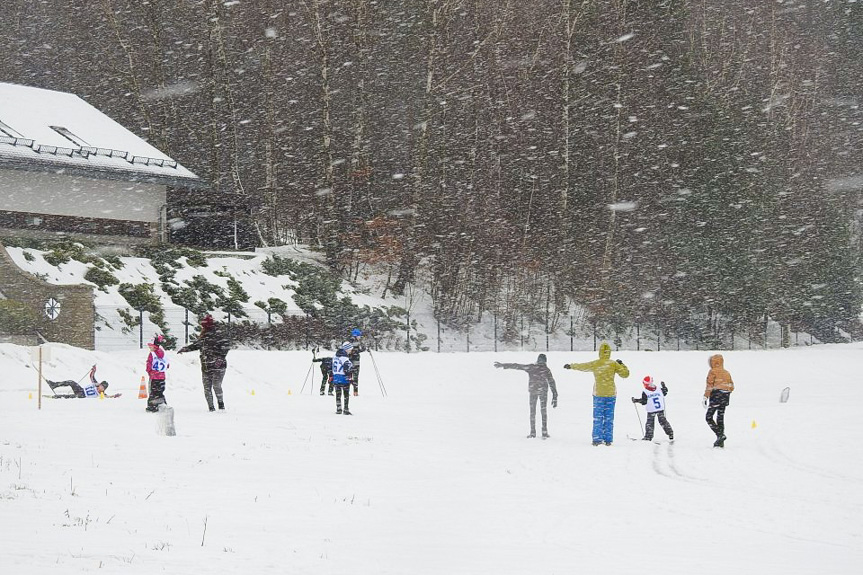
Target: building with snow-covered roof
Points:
(68, 170)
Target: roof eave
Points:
(102, 173)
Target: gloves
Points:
(704, 402)
(620, 362)
(634, 400)
(554, 402)
(566, 366)
(497, 364)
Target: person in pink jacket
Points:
(157, 365)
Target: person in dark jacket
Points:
(354, 355)
(654, 401)
(214, 346)
(539, 380)
(326, 372)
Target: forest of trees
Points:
(690, 165)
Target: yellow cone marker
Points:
(754, 425)
(253, 392)
(30, 395)
(289, 392)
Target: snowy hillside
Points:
(436, 478)
(216, 269)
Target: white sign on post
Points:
(52, 309)
(40, 354)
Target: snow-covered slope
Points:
(435, 478)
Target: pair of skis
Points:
(73, 396)
(656, 441)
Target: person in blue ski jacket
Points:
(342, 377)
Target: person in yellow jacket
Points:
(604, 391)
(717, 395)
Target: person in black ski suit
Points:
(539, 380)
(214, 346)
(354, 356)
(326, 372)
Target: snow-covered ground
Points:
(438, 476)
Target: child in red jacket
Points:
(157, 365)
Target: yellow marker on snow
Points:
(30, 395)
(754, 425)
(101, 395)
(289, 391)
(253, 392)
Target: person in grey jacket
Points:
(539, 380)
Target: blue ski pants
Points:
(603, 419)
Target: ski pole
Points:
(307, 378)
(378, 375)
(639, 418)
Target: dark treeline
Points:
(690, 165)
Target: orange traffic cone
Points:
(142, 393)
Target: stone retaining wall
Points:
(74, 323)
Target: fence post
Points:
(141, 328)
(495, 330)
(521, 335)
(571, 334)
(594, 335)
(659, 339)
(467, 335)
(547, 304)
(438, 335)
(186, 326)
(637, 337)
(408, 333)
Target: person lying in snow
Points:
(91, 389)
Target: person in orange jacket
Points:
(717, 395)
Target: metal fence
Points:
(123, 328)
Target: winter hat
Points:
(356, 332)
(541, 359)
(347, 346)
(104, 385)
(207, 321)
(648, 383)
(158, 340)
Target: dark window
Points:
(9, 131)
(69, 136)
